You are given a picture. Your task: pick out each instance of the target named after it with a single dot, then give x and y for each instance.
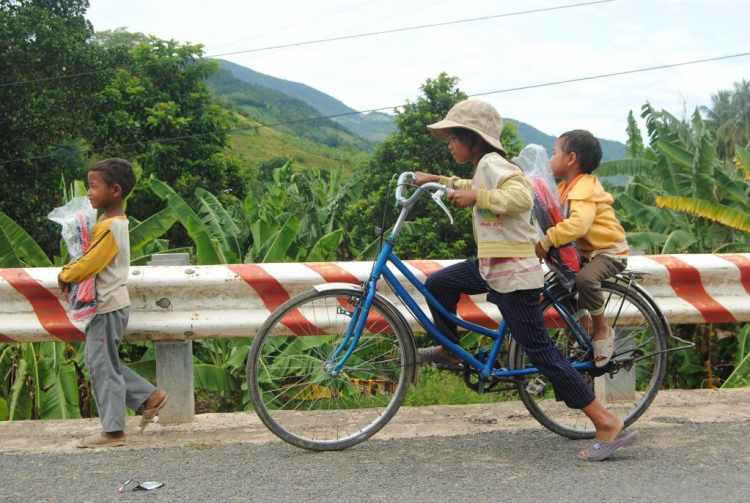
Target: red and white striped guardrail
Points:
(227, 301)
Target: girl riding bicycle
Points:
(506, 268)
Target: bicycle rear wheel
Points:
(639, 338)
(290, 378)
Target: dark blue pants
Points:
(522, 313)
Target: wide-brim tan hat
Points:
(474, 115)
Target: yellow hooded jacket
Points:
(589, 220)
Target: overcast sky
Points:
(386, 70)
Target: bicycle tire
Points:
(626, 401)
(294, 393)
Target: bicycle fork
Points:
(353, 332)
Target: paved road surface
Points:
(681, 458)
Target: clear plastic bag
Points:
(77, 219)
(534, 162)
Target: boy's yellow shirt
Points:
(107, 259)
(590, 221)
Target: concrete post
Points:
(174, 362)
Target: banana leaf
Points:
(3, 409)
(678, 242)
(281, 242)
(218, 221)
(742, 160)
(733, 190)
(144, 368)
(741, 375)
(59, 398)
(153, 227)
(213, 378)
(703, 165)
(238, 359)
(17, 248)
(626, 167)
(677, 154)
(18, 392)
(29, 353)
(326, 246)
(706, 209)
(646, 240)
(207, 251)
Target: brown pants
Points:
(589, 281)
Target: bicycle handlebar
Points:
(437, 190)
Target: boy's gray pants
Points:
(589, 281)
(115, 385)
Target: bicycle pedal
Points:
(456, 369)
(535, 387)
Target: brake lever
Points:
(437, 196)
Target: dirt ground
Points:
(697, 406)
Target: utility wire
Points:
(295, 25)
(311, 119)
(334, 39)
(269, 53)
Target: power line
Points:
(311, 119)
(411, 28)
(351, 29)
(320, 41)
(296, 24)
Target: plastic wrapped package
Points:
(534, 162)
(77, 219)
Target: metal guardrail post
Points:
(174, 362)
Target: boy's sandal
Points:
(98, 440)
(442, 362)
(603, 349)
(602, 450)
(149, 414)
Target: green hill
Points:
(258, 146)
(270, 107)
(377, 126)
(374, 126)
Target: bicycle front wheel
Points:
(639, 340)
(290, 378)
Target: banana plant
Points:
(41, 382)
(680, 173)
(741, 375)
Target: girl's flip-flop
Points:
(602, 450)
(603, 349)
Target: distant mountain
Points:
(268, 106)
(374, 126)
(377, 126)
(611, 150)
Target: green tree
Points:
(45, 119)
(729, 115)
(412, 148)
(119, 37)
(160, 113)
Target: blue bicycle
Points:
(330, 367)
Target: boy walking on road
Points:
(108, 259)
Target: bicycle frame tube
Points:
(380, 269)
(568, 318)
